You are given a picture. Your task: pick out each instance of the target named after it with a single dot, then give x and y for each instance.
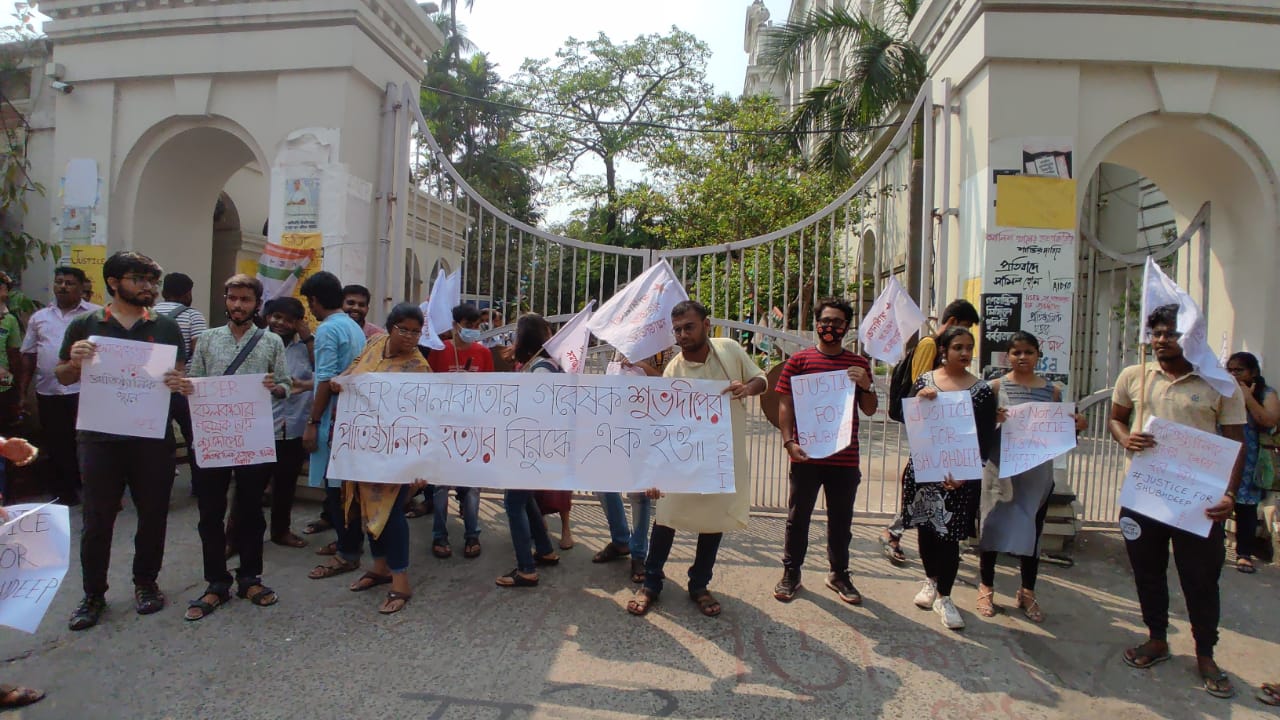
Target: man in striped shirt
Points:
(176, 292)
(837, 475)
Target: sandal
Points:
(1245, 565)
(148, 599)
(200, 608)
(472, 549)
(643, 601)
(892, 550)
(550, 560)
(337, 566)
(369, 581)
(417, 510)
(395, 602)
(1269, 694)
(514, 579)
(265, 597)
(1218, 684)
(290, 540)
(986, 606)
(1142, 657)
(329, 549)
(610, 553)
(637, 570)
(1026, 600)
(317, 526)
(441, 550)
(706, 602)
(16, 696)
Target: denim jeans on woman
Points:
(528, 531)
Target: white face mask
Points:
(469, 335)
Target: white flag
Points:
(1159, 290)
(637, 320)
(569, 346)
(894, 318)
(446, 293)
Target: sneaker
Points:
(788, 586)
(88, 613)
(927, 594)
(946, 610)
(840, 583)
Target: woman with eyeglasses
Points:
(1263, 409)
(379, 507)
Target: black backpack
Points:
(900, 385)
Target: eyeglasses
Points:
(1165, 335)
(406, 332)
(143, 280)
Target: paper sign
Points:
(894, 317)
(231, 421)
(80, 186)
(122, 389)
(302, 204)
(77, 224)
(943, 437)
(825, 410)
(90, 259)
(535, 431)
(1035, 433)
(35, 550)
(1026, 201)
(617, 368)
(1185, 474)
(637, 320)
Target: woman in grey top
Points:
(1014, 523)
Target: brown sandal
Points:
(330, 549)
(986, 606)
(336, 567)
(16, 696)
(1026, 600)
(395, 602)
(706, 602)
(290, 540)
(643, 601)
(369, 581)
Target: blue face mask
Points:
(469, 335)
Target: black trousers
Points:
(1246, 530)
(704, 560)
(143, 465)
(180, 412)
(58, 433)
(941, 558)
(247, 521)
(1199, 562)
(841, 487)
(284, 484)
(1030, 564)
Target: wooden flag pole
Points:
(1142, 390)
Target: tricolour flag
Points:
(279, 268)
(894, 318)
(1159, 290)
(569, 346)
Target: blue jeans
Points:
(393, 543)
(469, 500)
(637, 537)
(528, 530)
(660, 549)
(350, 536)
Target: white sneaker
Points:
(927, 594)
(946, 610)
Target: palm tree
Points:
(884, 68)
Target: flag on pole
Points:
(569, 346)
(446, 293)
(894, 318)
(279, 268)
(637, 320)
(1159, 290)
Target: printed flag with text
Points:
(1159, 290)
(637, 320)
(894, 318)
(569, 346)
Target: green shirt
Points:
(218, 347)
(152, 328)
(10, 339)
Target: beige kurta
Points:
(724, 511)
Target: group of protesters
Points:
(302, 366)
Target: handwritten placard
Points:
(122, 389)
(1035, 433)
(1185, 474)
(943, 437)
(231, 421)
(35, 550)
(545, 431)
(824, 406)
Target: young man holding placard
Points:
(1171, 389)
(109, 462)
(836, 474)
(237, 348)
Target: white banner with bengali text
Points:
(535, 431)
(231, 421)
(1185, 474)
(122, 390)
(943, 437)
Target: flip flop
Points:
(1211, 682)
(374, 581)
(16, 696)
(1151, 660)
(317, 526)
(1269, 694)
(1247, 569)
(516, 580)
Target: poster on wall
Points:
(77, 224)
(1047, 157)
(1001, 318)
(302, 204)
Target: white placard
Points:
(1035, 433)
(231, 421)
(1182, 476)
(535, 431)
(35, 550)
(824, 406)
(943, 437)
(617, 368)
(637, 320)
(122, 389)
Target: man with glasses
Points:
(837, 475)
(109, 462)
(57, 403)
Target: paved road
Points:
(465, 649)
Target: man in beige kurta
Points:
(704, 358)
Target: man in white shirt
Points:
(57, 403)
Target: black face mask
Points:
(832, 335)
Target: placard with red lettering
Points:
(1035, 433)
(1185, 474)
(122, 389)
(35, 550)
(943, 437)
(231, 421)
(825, 407)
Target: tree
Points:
(884, 68)
(613, 103)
